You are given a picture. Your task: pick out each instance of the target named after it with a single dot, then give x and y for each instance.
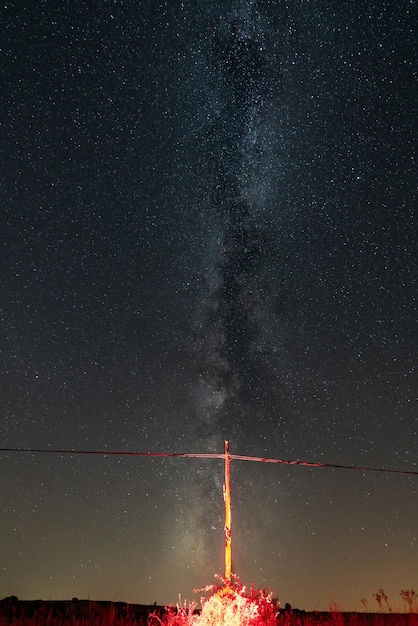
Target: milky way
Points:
(231, 145)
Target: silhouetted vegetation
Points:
(228, 605)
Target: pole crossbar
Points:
(202, 455)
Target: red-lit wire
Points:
(196, 455)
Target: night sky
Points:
(208, 233)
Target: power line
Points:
(118, 453)
(196, 455)
(332, 465)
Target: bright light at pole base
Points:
(229, 608)
(233, 605)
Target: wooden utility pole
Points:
(227, 498)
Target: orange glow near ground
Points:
(233, 605)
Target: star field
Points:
(208, 233)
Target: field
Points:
(96, 615)
(227, 605)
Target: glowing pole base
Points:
(234, 605)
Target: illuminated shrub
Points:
(229, 609)
(233, 605)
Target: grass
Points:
(229, 604)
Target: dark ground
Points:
(13, 610)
